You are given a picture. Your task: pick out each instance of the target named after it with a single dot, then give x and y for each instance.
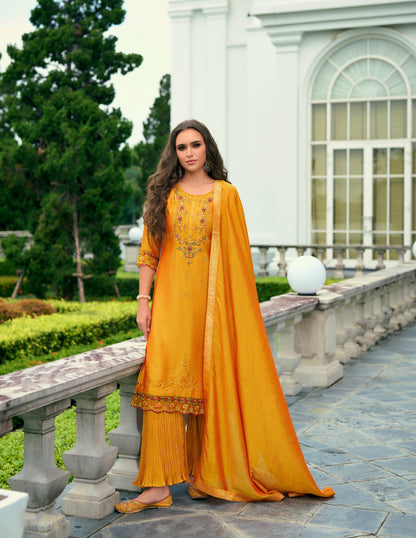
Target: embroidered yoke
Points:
(171, 378)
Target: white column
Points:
(181, 66)
(216, 74)
(286, 132)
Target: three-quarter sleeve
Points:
(149, 251)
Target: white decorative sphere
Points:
(306, 275)
(135, 234)
(414, 249)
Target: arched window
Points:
(363, 145)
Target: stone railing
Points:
(317, 335)
(333, 256)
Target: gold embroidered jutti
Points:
(250, 451)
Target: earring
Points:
(206, 167)
(179, 171)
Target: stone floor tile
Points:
(280, 529)
(402, 525)
(324, 479)
(295, 510)
(408, 444)
(81, 527)
(387, 489)
(203, 526)
(407, 405)
(351, 519)
(345, 439)
(358, 471)
(375, 452)
(391, 435)
(328, 456)
(408, 505)
(349, 496)
(311, 442)
(401, 466)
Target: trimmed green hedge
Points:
(79, 323)
(271, 286)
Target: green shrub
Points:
(90, 322)
(24, 307)
(268, 287)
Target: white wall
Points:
(252, 88)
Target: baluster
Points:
(282, 262)
(379, 313)
(405, 300)
(127, 438)
(300, 251)
(320, 254)
(399, 303)
(287, 359)
(40, 477)
(351, 345)
(339, 268)
(370, 319)
(400, 254)
(90, 459)
(315, 340)
(271, 331)
(341, 354)
(263, 261)
(359, 266)
(380, 252)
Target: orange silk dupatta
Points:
(250, 449)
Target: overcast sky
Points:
(145, 30)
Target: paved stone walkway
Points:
(358, 436)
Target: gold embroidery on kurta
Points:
(190, 222)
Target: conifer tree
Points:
(57, 96)
(156, 131)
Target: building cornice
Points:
(182, 8)
(317, 15)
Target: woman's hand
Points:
(144, 317)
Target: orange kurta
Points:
(171, 378)
(250, 451)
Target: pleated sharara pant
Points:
(169, 454)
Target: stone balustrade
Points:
(316, 336)
(333, 256)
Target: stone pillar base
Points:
(123, 474)
(46, 524)
(290, 386)
(319, 375)
(91, 499)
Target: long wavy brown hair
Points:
(169, 172)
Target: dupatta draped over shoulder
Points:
(250, 449)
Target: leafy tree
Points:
(57, 95)
(13, 249)
(156, 131)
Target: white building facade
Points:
(313, 105)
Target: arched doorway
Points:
(363, 144)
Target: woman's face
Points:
(191, 150)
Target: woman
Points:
(207, 353)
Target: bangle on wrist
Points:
(143, 296)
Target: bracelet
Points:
(143, 296)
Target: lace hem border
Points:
(168, 404)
